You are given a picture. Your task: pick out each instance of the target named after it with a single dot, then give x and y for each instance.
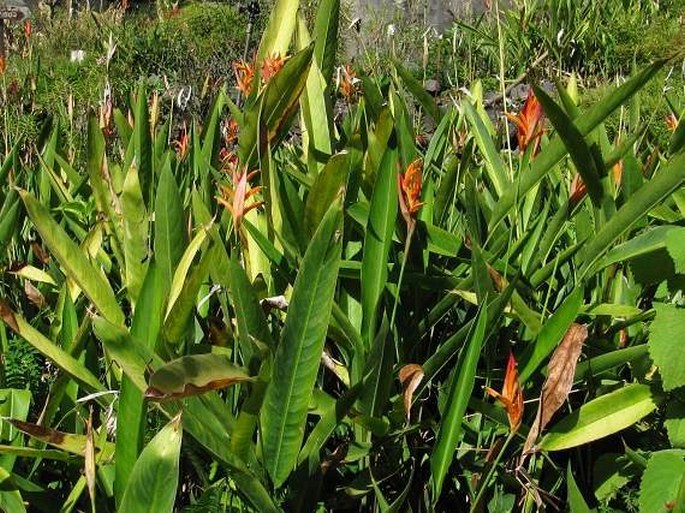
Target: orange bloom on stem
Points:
(28, 29)
(671, 122)
(244, 76)
(409, 189)
(348, 83)
(271, 66)
(511, 396)
(529, 123)
(182, 145)
(235, 198)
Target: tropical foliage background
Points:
(325, 289)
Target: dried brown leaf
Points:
(7, 315)
(89, 455)
(33, 294)
(555, 390)
(410, 377)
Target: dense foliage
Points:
(302, 302)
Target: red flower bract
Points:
(529, 123)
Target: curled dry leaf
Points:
(7, 315)
(561, 370)
(410, 377)
(34, 295)
(511, 396)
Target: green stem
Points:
(491, 471)
(407, 245)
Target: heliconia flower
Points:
(235, 198)
(271, 66)
(529, 123)
(349, 83)
(28, 29)
(231, 132)
(409, 190)
(182, 145)
(244, 76)
(3, 64)
(511, 396)
(671, 122)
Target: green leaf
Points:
(604, 362)
(664, 348)
(13, 404)
(661, 481)
(460, 391)
(550, 335)
(326, 37)
(9, 217)
(327, 186)
(73, 260)
(142, 142)
(154, 479)
(576, 502)
(493, 162)
(279, 31)
(10, 498)
(578, 149)
(604, 416)
(135, 228)
(69, 442)
(194, 374)
(418, 92)
(297, 358)
(643, 244)
(668, 179)
(675, 423)
(675, 244)
(170, 239)
(377, 241)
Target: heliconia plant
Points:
(292, 306)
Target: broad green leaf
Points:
(135, 230)
(662, 481)
(377, 241)
(460, 391)
(327, 186)
(73, 260)
(652, 193)
(154, 479)
(131, 416)
(664, 347)
(604, 416)
(194, 374)
(9, 217)
(550, 335)
(647, 242)
(279, 31)
(142, 143)
(181, 272)
(298, 355)
(170, 235)
(326, 37)
(675, 423)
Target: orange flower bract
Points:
(529, 123)
(271, 66)
(244, 76)
(235, 198)
(511, 396)
(410, 184)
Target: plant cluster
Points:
(293, 305)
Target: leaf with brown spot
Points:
(410, 377)
(7, 315)
(69, 442)
(555, 390)
(195, 374)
